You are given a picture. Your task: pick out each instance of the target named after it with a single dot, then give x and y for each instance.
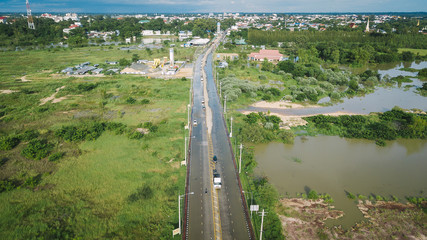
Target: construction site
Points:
(160, 67)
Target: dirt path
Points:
(8, 91)
(24, 79)
(292, 120)
(52, 97)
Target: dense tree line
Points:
(48, 31)
(342, 47)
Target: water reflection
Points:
(383, 99)
(334, 165)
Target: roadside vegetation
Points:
(320, 65)
(102, 161)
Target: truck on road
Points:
(216, 180)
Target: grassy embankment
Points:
(421, 52)
(116, 186)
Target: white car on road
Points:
(195, 122)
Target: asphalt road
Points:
(200, 218)
(200, 215)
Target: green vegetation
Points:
(382, 126)
(261, 128)
(356, 48)
(80, 168)
(49, 32)
(263, 194)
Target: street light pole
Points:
(188, 116)
(185, 149)
(179, 213)
(262, 223)
(220, 92)
(179, 209)
(240, 158)
(231, 132)
(225, 103)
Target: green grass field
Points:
(113, 187)
(421, 52)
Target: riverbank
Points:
(290, 120)
(305, 219)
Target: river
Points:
(330, 164)
(333, 165)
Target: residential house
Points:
(270, 55)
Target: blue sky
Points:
(191, 6)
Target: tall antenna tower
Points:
(30, 18)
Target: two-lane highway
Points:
(227, 210)
(200, 219)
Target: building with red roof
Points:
(270, 55)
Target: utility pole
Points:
(225, 103)
(185, 149)
(179, 213)
(220, 93)
(231, 132)
(240, 158)
(188, 116)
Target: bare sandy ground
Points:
(308, 217)
(292, 120)
(24, 79)
(8, 91)
(52, 97)
(282, 105)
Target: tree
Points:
(266, 65)
(124, 62)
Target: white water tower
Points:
(171, 57)
(218, 27)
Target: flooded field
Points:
(333, 165)
(381, 100)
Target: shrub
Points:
(29, 135)
(32, 182)
(82, 132)
(350, 195)
(266, 97)
(135, 135)
(145, 101)
(423, 72)
(313, 195)
(6, 185)
(8, 142)
(130, 100)
(37, 149)
(141, 193)
(118, 128)
(56, 156)
(85, 87)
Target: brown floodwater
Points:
(333, 165)
(381, 100)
